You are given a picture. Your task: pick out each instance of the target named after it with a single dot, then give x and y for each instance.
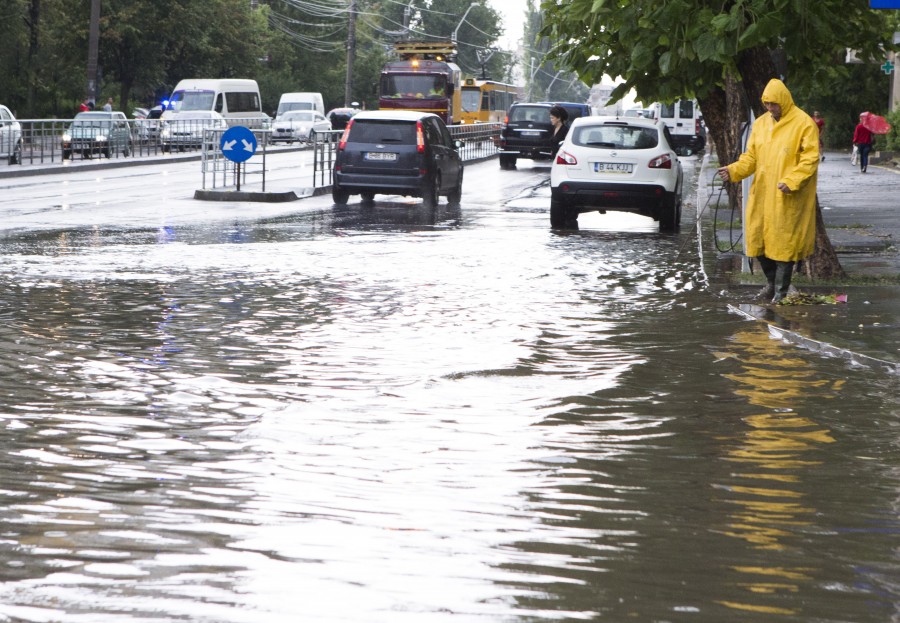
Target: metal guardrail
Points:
(43, 144)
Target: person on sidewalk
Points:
(783, 157)
(862, 138)
(820, 122)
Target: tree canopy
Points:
(147, 46)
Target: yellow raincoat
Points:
(780, 226)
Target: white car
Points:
(298, 125)
(10, 137)
(185, 130)
(625, 164)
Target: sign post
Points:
(238, 144)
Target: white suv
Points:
(10, 136)
(625, 164)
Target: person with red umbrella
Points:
(862, 138)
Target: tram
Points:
(486, 101)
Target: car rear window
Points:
(374, 131)
(616, 137)
(538, 114)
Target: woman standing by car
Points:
(558, 117)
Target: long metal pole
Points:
(351, 54)
(93, 45)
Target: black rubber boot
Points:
(768, 267)
(783, 273)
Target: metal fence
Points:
(50, 141)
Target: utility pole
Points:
(93, 45)
(351, 53)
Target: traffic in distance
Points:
(411, 145)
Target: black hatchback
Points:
(397, 153)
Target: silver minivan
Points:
(10, 136)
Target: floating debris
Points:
(803, 298)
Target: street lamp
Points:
(461, 22)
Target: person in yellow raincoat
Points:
(783, 156)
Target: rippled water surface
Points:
(383, 416)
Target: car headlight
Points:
(101, 138)
(67, 138)
(165, 132)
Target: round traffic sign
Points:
(238, 143)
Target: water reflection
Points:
(778, 449)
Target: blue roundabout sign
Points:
(238, 143)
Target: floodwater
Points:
(382, 415)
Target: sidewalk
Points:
(862, 217)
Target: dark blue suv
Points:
(397, 153)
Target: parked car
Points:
(526, 133)
(298, 125)
(625, 164)
(97, 132)
(185, 130)
(10, 136)
(397, 153)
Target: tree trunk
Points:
(823, 263)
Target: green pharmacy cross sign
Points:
(888, 67)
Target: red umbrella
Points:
(874, 123)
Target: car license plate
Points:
(381, 155)
(531, 133)
(613, 167)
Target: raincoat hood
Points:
(777, 93)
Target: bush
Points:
(892, 138)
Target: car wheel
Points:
(67, 154)
(367, 197)
(561, 215)
(16, 156)
(455, 195)
(671, 219)
(340, 197)
(108, 153)
(432, 191)
(126, 151)
(165, 149)
(312, 137)
(507, 162)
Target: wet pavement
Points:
(863, 223)
(379, 414)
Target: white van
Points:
(685, 125)
(300, 101)
(238, 101)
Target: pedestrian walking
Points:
(820, 122)
(783, 157)
(108, 106)
(862, 140)
(558, 118)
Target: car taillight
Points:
(696, 126)
(344, 136)
(420, 138)
(564, 157)
(661, 162)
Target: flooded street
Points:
(376, 414)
